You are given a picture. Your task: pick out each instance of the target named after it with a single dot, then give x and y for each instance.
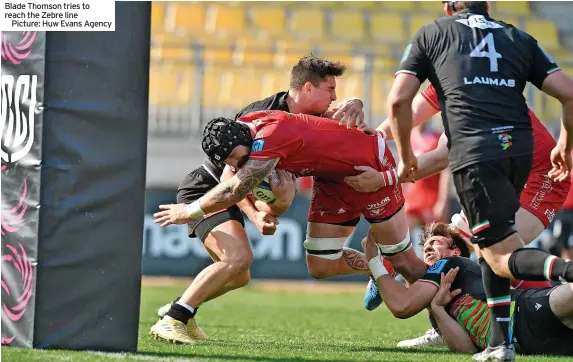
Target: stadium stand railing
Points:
(213, 58)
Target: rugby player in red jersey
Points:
(314, 146)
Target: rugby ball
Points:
(264, 192)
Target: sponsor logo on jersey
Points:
(505, 139)
(437, 267)
(480, 22)
(379, 204)
(258, 145)
(498, 82)
(550, 214)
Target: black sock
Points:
(499, 303)
(434, 323)
(180, 313)
(536, 264)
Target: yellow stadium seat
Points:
(418, 21)
(387, 28)
(551, 109)
(172, 53)
(221, 51)
(246, 87)
(225, 20)
(269, 20)
(545, 32)
(289, 52)
(274, 80)
(381, 85)
(350, 84)
(342, 52)
(186, 18)
(308, 23)
(516, 8)
(210, 86)
(366, 5)
(385, 64)
(432, 7)
(250, 52)
(568, 71)
(157, 17)
(171, 85)
(401, 6)
(347, 25)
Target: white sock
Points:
(188, 307)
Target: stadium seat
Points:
(219, 51)
(551, 109)
(563, 56)
(351, 5)
(544, 31)
(274, 80)
(434, 8)
(225, 20)
(347, 25)
(253, 52)
(381, 85)
(308, 23)
(417, 22)
(515, 8)
(341, 52)
(568, 71)
(172, 53)
(289, 52)
(157, 17)
(186, 18)
(350, 84)
(387, 28)
(401, 6)
(268, 20)
(171, 85)
(384, 64)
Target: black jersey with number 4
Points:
(479, 67)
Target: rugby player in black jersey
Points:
(479, 67)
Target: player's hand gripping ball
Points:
(263, 191)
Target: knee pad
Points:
(493, 234)
(391, 250)
(325, 248)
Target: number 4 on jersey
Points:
(491, 53)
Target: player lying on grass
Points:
(319, 147)
(540, 199)
(542, 318)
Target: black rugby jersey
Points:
(479, 67)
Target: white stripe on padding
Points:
(320, 244)
(397, 248)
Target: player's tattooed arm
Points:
(236, 188)
(355, 259)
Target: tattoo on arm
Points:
(248, 177)
(355, 259)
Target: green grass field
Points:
(256, 324)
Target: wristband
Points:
(377, 268)
(194, 210)
(390, 177)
